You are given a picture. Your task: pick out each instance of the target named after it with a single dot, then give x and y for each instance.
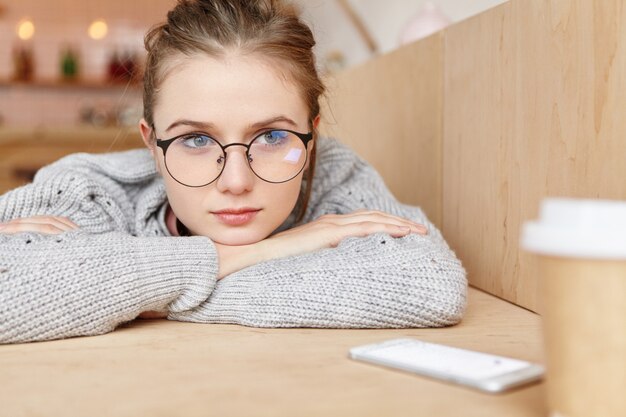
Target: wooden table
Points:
(167, 368)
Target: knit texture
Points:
(122, 260)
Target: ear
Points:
(316, 121)
(147, 136)
(311, 144)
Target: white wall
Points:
(65, 21)
(384, 19)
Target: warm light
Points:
(25, 29)
(98, 29)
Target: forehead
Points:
(234, 91)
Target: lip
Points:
(236, 216)
(235, 210)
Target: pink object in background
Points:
(427, 21)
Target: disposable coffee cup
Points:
(581, 249)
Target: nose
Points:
(237, 177)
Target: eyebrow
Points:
(209, 125)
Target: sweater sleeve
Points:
(373, 282)
(89, 281)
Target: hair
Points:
(270, 29)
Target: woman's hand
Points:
(325, 232)
(50, 225)
(152, 315)
(329, 230)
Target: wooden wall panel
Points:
(491, 116)
(534, 101)
(389, 111)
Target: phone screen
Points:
(445, 362)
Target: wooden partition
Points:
(530, 98)
(389, 111)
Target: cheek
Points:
(285, 196)
(183, 200)
(180, 197)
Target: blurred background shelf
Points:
(78, 84)
(23, 151)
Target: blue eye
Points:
(197, 141)
(273, 137)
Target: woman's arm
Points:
(371, 282)
(374, 281)
(89, 280)
(77, 283)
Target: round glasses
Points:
(197, 159)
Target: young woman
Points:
(238, 212)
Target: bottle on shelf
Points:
(69, 64)
(122, 67)
(23, 63)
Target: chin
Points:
(237, 237)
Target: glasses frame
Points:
(304, 137)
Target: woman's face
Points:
(224, 98)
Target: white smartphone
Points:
(478, 370)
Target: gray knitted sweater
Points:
(123, 260)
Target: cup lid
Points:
(578, 228)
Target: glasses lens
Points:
(277, 155)
(194, 160)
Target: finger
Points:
(38, 224)
(67, 222)
(393, 223)
(415, 227)
(44, 220)
(61, 222)
(21, 227)
(376, 227)
(378, 217)
(368, 213)
(391, 216)
(369, 228)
